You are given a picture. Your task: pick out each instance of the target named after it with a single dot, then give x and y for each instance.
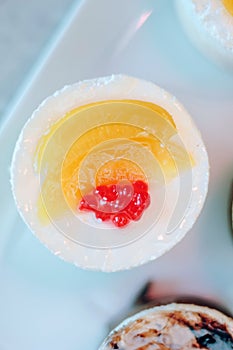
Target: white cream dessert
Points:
(173, 327)
(110, 173)
(209, 25)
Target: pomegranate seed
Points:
(89, 202)
(112, 193)
(83, 205)
(140, 186)
(119, 203)
(103, 216)
(120, 219)
(138, 199)
(134, 212)
(141, 199)
(137, 215)
(108, 193)
(125, 195)
(102, 191)
(125, 190)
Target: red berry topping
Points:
(120, 219)
(102, 215)
(138, 199)
(88, 202)
(119, 203)
(102, 191)
(125, 194)
(112, 193)
(83, 205)
(140, 186)
(134, 211)
(125, 189)
(108, 193)
(142, 199)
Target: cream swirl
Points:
(173, 327)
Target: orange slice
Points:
(70, 145)
(119, 170)
(228, 5)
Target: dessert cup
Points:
(173, 326)
(132, 120)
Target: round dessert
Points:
(110, 173)
(209, 24)
(173, 326)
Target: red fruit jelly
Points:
(119, 203)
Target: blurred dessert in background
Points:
(173, 326)
(209, 25)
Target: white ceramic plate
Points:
(46, 303)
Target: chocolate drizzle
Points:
(208, 333)
(212, 335)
